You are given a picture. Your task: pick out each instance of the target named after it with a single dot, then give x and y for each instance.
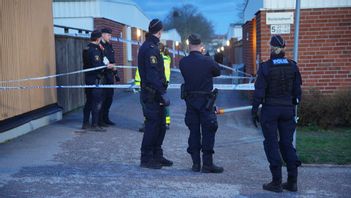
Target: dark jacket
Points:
(278, 83)
(150, 65)
(198, 72)
(92, 57)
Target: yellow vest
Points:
(167, 64)
(137, 78)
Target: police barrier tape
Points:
(234, 70)
(244, 87)
(53, 76)
(66, 74)
(102, 67)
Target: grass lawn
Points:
(318, 146)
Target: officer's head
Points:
(195, 42)
(156, 27)
(95, 36)
(277, 45)
(161, 47)
(106, 34)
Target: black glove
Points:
(254, 116)
(117, 78)
(165, 100)
(115, 73)
(166, 84)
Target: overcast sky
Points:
(220, 12)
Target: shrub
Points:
(325, 110)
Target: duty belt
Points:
(148, 89)
(277, 101)
(189, 93)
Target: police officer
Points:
(198, 71)
(111, 76)
(167, 64)
(278, 89)
(92, 57)
(154, 98)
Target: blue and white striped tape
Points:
(102, 67)
(247, 87)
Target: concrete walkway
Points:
(61, 161)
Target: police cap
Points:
(155, 26)
(95, 35)
(106, 30)
(277, 41)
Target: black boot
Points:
(158, 156)
(209, 166)
(196, 161)
(274, 186)
(151, 163)
(97, 129)
(108, 121)
(85, 125)
(291, 184)
(102, 124)
(148, 161)
(196, 167)
(164, 162)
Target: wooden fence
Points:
(69, 58)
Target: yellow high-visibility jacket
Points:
(137, 78)
(167, 64)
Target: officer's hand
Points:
(166, 84)
(117, 79)
(255, 117)
(165, 100)
(110, 66)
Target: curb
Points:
(326, 166)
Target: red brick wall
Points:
(135, 48)
(117, 29)
(324, 47)
(249, 46)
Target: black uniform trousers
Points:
(278, 126)
(94, 97)
(202, 124)
(108, 97)
(155, 126)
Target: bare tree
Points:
(241, 8)
(186, 20)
